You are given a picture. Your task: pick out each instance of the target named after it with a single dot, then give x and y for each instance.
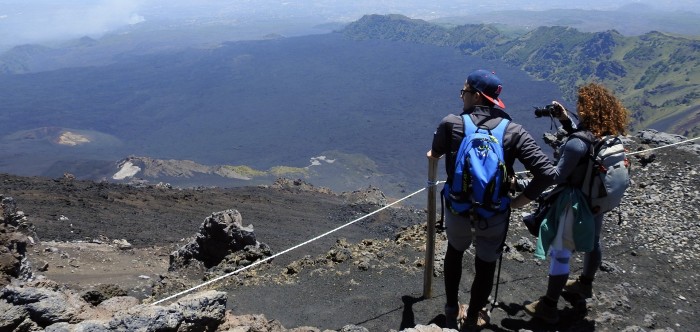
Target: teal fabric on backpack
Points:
(583, 222)
(479, 185)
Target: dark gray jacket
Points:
(517, 144)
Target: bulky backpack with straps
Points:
(607, 175)
(479, 185)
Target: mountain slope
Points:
(631, 20)
(372, 93)
(657, 75)
(260, 104)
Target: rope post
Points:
(430, 229)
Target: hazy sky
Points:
(36, 21)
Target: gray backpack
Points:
(607, 175)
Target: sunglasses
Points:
(463, 91)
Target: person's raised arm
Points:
(563, 117)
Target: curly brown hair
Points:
(600, 111)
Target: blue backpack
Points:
(479, 185)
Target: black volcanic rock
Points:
(220, 234)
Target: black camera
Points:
(549, 110)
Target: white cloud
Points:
(33, 21)
(135, 19)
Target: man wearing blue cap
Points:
(481, 102)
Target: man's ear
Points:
(479, 98)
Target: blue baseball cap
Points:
(488, 84)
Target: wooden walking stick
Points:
(430, 229)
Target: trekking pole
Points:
(430, 230)
(494, 304)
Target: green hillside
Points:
(656, 75)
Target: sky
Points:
(38, 21)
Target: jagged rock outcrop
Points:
(371, 195)
(651, 136)
(10, 215)
(298, 185)
(11, 253)
(220, 235)
(14, 243)
(32, 307)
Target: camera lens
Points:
(549, 110)
(540, 112)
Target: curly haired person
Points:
(600, 114)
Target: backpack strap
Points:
(584, 135)
(468, 124)
(594, 164)
(587, 138)
(498, 131)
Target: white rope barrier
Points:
(647, 150)
(664, 146)
(285, 251)
(348, 224)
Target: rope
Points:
(647, 150)
(664, 146)
(429, 184)
(285, 251)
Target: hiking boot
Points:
(575, 286)
(473, 323)
(540, 309)
(451, 316)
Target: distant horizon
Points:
(46, 22)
